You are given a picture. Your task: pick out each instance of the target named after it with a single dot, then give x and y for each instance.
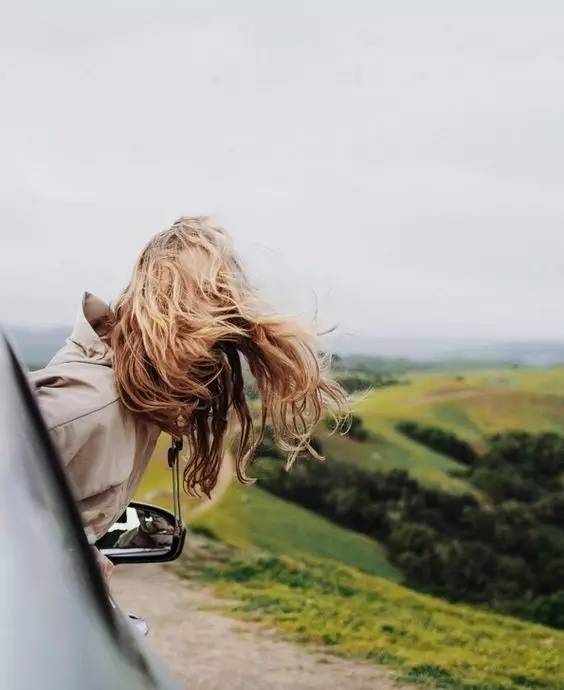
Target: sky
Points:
(394, 169)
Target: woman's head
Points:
(182, 325)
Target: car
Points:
(59, 628)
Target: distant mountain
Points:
(36, 346)
(535, 354)
(444, 350)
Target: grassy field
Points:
(249, 517)
(471, 405)
(426, 640)
(156, 485)
(474, 404)
(325, 585)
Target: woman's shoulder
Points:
(72, 390)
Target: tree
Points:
(439, 440)
(550, 509)
(412, 537)
(550, 610)
(356, 429)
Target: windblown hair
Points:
(180, 329)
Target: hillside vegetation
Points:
(471, 405)
(504, 548)
(249, 517)
(428, 641)
(326, 584)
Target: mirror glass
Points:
(143, 533)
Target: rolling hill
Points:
(324, 584)
(472, 405)
(248, 517)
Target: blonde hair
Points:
(180, 328)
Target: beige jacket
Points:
(104, 449)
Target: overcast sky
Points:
(398, 164)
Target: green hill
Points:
(249, 517)
(324, 584)
(470, 405)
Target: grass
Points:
(156, 482)
(426, 640)
(156, 485)
(391, 450)
(249, 517)
(324, 585)
(472, 405)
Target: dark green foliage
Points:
(439, 440)
(357, 382)
(550, 509)
(353, 383)
(500, 485)
(356, 430)
(267, 448)
(535, 458)
(550, 610)
(508, 551)
(411, 537)
(203, 531)
(387, 366)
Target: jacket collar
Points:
(91, 328)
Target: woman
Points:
(166, 358)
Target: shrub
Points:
(501, 485)
(439, 440)
(509, 551)
(356, 429)
(550, 509)
(413, 538)
(536, 457)
(550, 610)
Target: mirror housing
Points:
(143, 534)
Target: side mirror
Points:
(143, 534)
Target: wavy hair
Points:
(180, 329)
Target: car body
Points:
(58, 628)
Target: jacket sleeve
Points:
(54, 395)
(84, 436)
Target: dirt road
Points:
(210, 651)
